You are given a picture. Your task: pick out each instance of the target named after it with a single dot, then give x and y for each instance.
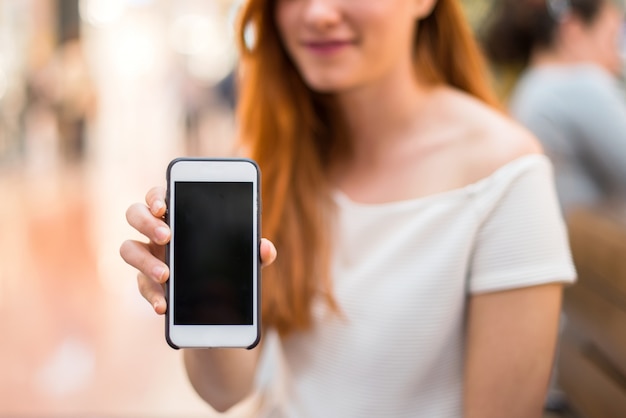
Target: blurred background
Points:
(96, 97)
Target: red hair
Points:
(295, 133)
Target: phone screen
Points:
(213, 253)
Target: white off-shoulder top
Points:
(402, 274)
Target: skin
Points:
(339, 47)
(404, 132)
(511, 336)
(579, 42)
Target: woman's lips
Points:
(326, 47)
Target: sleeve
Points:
(522, 240)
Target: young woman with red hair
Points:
(421, 252)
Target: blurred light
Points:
(135, 53)
(190, 34)
(208, 42)
(249, 36)
(233, 14)
(69, 370)
(138, 2)
(101, 12)
(210, 70)
(3, 83)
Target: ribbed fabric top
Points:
(402, 274)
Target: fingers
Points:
(141, 218)
(155, 199)
(267, 252)
(147, 258)
(141, 256)
(152, 292)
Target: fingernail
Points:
(162, 233)
(158, 273)
(157, 206)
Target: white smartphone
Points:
(213, 291)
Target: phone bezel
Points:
(213, 336)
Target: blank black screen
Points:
(213, 253)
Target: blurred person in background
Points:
(61, 103)
(422, 252)
(568, 94)
(76, 99)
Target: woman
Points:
(567, 94)
(415, 278)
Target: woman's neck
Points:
(381, 113)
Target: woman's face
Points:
(339, 45)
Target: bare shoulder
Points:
(490, 137)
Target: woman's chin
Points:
(325, 84)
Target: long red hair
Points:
(294, 133)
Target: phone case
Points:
(167, 250)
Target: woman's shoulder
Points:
(490, 138)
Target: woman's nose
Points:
(322, 14)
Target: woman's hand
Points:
(149, 257)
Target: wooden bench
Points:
(592, 352)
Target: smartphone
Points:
(213, 291)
